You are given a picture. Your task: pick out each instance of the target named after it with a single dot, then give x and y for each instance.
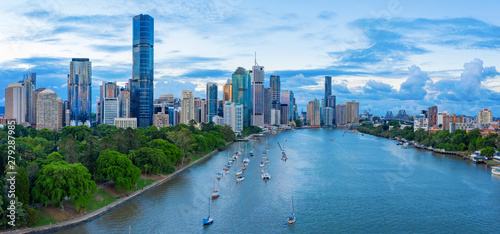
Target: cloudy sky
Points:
(388, 55)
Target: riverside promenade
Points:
(108, 208)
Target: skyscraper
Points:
(293, 107)
(228, 91)
(187, 107)
(29, 84)
(275, 84)
(15, 102)
(328, 87)
(241, 92)
(109, 91)
(267, 105)
(285, 114)
(48, 115)
(340, 114)
(352, 112)
(432, 115)
(212, 90)
(35, 99)
(80, 90)
(233, 116)
(124, 100)
(257, 95)
(313, 113)
(330, 102)
(141, 84)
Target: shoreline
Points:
(110, 207)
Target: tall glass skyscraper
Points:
(257, 95)
(141, 84)
(80, 91)
(328, 86)
(241, 92)
(275, 84)
(212, 91)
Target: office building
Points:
(141, 84)
(432, 113)
(60, 113)
(275, 117)
(267, 105)
(29, 84)
(352, 112)
(160, 116)
(331, 102)
(328, 88)
(329, 116)
(124, 102)
(275, 85)
(126, 123)
(234, 117)
(242, 92)
(107, 90)
(187, 107)
(293, 107)
(211, 101)
(257, 74)
(48, 114)
(80, 91)
(285, 114)
(15, 102)
(111, 110)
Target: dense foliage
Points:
(112, 165)
(67, 158)
(459, 140)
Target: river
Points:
(356, 183)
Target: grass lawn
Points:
(44, 218)
(95, 204)
(141, 183)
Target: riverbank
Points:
(110, 207)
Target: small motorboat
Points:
(240, 178)
(267, 161)
(332, 139)
(215, 194)
(227, 172)
(219, 175)
(239, 172)
(261, 164)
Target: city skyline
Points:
(373, 54)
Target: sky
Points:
(388, 55)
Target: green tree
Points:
(172, 152)
(115, 166)
(298, 123)
(22, 186)
(153, 159)
(182, 139)
(69, 149)
(60, 179)
(227, 132)
(488, 151)
(31, 216)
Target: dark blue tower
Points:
(141, 84)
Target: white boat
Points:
(239, 172)
(266, 176)
(219, 175)
(227, 172)
(240, 178)
(291, 218)
(261, 164)
(267, 161)
(495, 170)
(246, 160)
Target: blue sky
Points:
(388, 55)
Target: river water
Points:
(356, 183)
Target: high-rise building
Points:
(211, 101)
(197, 110)
(257, 95)
(275, 117)
(275, 84)
(35, 99)
(60, 113)
(124, 102)
(203, 111)
(161, 118)
(432, 115)
(111, 110)
(340, 114)
(80, 91)
(233, 116)
(15, 102)
(48, 115)
(241, 92)
(313, 113)
(29, 84)
(126, 122)
(293, 107)
(109, 91)
(141, 84)
(485, 116)
(187, 107)
(228, 91)
(352, 112)
(66, 112)
(328, 88)
(267, 105)
(284, 114)
(329, 116)
(330, 102)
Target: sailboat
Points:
(219, 175)
(291, 218)
(265, 176)
(215, 192)
(208, 220)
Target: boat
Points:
(227, 172)
(476, 158)
(246, 160)
(266, 176)
(240, 178)
(228, 165)
(495, 170)
(215, 192)
(266, 161)
(261, 164)
(331, 139)
(208, 220)
(251, 153)
(243, 167)
(291, 218)
(219, 175)
(239, 172)
(283, 157)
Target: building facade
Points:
(126, 123)
(227, 95)
(257, 74)
(141, 84)
(313, 113)
(275, 84)
(329, 116)
(352, 112)
(267, 105)
(80, 91)
(187, 107)
(485, 116)
(234, 117)
(432, 113)
(328, 87)
(242, 92)
(211, 101)
(15, 102)
(340, 114)
(48, 114)
(284, 114)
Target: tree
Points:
(182, 139)
(228, 133)
(152, 160)
(22, 186)
(172, 152)
(31, 216)
(115, 166)
(298, 123)
(69, 149)
(488, 151)
(60, 179)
